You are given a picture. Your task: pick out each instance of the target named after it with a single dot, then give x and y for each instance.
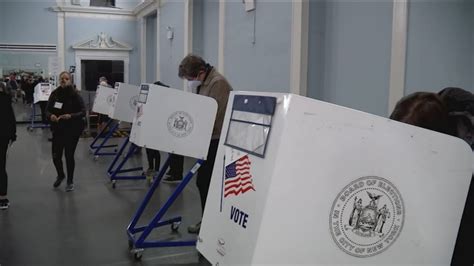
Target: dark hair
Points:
(191, 65)
(423, 109)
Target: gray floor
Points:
(44, 226)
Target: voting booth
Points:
(173, 121)
(103, 102)
(176, 122)
(124, 102)
(123, 108)
(42, 92)
(104, 98)
(300, 181)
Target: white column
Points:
(142, 49)
(398, 57)
(61, 45)
(299, 47)
(158, 72)
(220, 60)
(188, 32)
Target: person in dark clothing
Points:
(206, 80)
(7, 137)
(460, 106)
(65, 111)
(441, 112)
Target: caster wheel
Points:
(130, 244)
(175, 226)
(96, 158)
(137, 256)
(30, 129)
(114, 184)
(137, 253)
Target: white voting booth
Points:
(104, 98)
(173, 121)
(300, 181)
(176, 122)
(124, 103)
(42, 92)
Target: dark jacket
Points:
(7, 118)
(66, 101)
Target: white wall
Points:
(259, 59)
(349, 53)
(440, 45)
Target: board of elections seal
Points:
(133, 102)
(110, 99)
(180, 124)
(367, 216)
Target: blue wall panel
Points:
(440, 45)
(257, 56)
(171, 51)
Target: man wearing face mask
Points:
(65, 111)
(204, 79)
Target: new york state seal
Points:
(367, 216)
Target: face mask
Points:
(193, 84)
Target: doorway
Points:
(92, 70)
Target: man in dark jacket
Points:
(7, 136)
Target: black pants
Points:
(3, 164)
(463, 252)
(153, 157)
(66, 142)
(176, 165)
(43, 105)
(205, 172)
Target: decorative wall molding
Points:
(16, 47)
(102, 42)
(96, 10)
(146, 8)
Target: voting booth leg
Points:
(102, 145)
(93, 145)
(113, 173)
(33, 123)
(138, 244)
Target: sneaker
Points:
(172, 179)
(194, 229)
(69, 187)
(4, 203)
(58, 181)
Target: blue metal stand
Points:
(114, 173)
(138, 243)
(33, 123)
(97, 148)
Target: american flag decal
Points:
(238, 179)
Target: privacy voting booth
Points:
(124, 103)
(123, 108)
(41, 93)
(104, 99)
(300, 181)
(176, 122)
